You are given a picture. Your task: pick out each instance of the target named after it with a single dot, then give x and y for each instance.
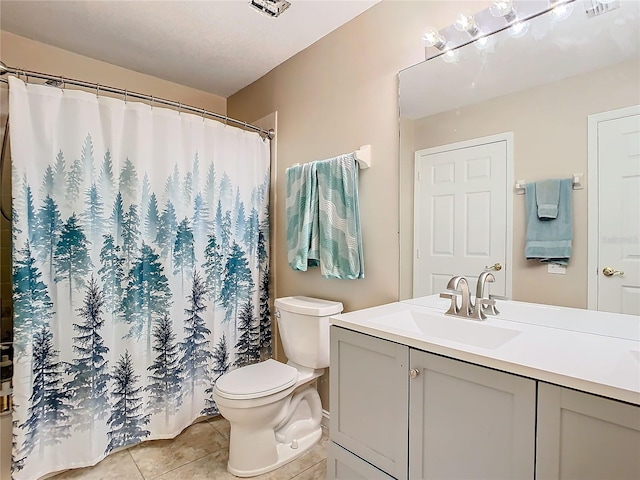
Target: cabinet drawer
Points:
(369, 397)
(344, 465)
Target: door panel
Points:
(619, 214)
(460, 215)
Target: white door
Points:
(461, 212)
(617, 273)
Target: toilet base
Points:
(285, 452)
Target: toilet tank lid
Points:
(316, 307)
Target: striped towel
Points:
(302, 216)
(339, 218)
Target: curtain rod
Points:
(4, 69)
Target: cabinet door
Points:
(587, 437)
(469, 422)
(344, 465)
(369, 399)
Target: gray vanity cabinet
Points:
(467, 421)
(587, 437)
(369, 397)
(343, 465)
(449, 420)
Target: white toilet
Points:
(274, 409)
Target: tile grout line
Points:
(135, 463)
(307, 469)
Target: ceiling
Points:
(215, 46)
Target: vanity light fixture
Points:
(505, 9)
(466, 22)
(433, 38)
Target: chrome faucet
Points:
(458, 285)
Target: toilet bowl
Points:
(274, 408)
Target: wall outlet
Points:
(557, 269)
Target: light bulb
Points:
(484, 43)
(432, 38)
(518, 29)
(466, 23)
(500, 8)
(561, 11)
(451, 55)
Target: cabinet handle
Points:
(414, 372)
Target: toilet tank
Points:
(303, 323)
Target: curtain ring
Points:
(151, 102)
(62, 82)
(203, 112)
(97, 90)
(125, 95)
(179, 108)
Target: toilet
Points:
(274, 409)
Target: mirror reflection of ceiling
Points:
(534, 59)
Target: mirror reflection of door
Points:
(614, 171)
(463, 214)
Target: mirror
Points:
(540, 88)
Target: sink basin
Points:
(460, 330)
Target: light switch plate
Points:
(557, 269)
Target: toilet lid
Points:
(257, 380)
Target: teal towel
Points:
(302, 216)
(340, 234)
(550, 240)
(547, 198)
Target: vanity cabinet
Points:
(369, 397)
(343, 465)
(451, 420)
(585, 436)
(467, 421)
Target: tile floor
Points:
(198, 453)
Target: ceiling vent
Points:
(598, 7)
(273, 8)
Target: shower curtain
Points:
(140, 271)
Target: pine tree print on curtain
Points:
(140, 271)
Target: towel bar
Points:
(363, 157)
(577, 183)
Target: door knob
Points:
(496, 266)
(414, 372)
(610, 272)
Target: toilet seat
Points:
(257, 380)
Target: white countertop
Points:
(594, 352)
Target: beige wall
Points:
(333, 97)
(550, 140)
(23, 53)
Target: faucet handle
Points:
(491, 307)
(453, 308)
